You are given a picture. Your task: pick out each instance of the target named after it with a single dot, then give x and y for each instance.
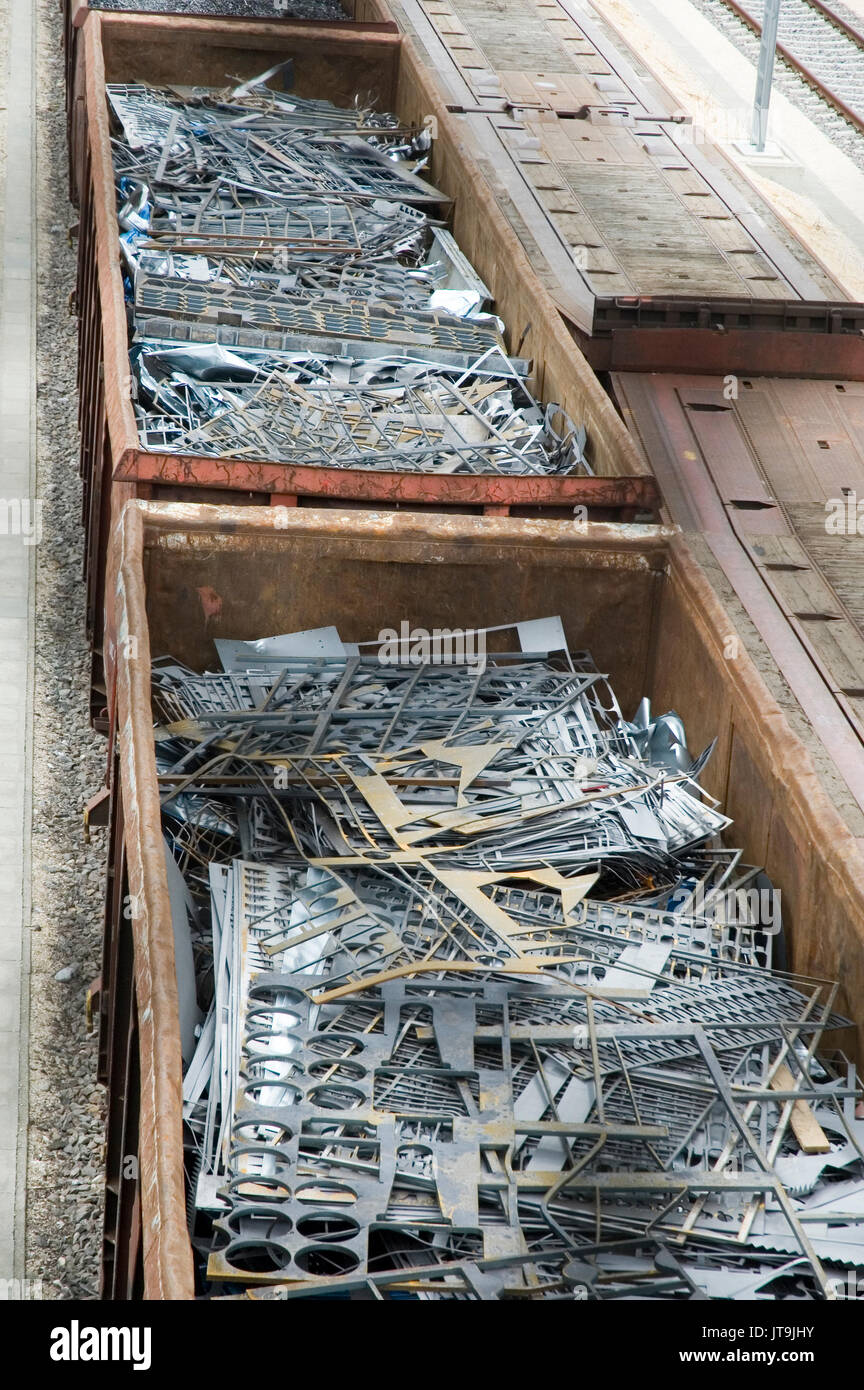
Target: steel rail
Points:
(854, 117)
(848, 29)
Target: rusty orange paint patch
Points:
(211, 602)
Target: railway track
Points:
(821, 46)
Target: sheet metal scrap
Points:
(478, 1023)
(312, 316)
(254, 219)
(304, 409)
(257, 140)
(180, 171)
(309, 231)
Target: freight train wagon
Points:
(656, 256)
(183, 577)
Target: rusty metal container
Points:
(181, 575)
(118, 47)
(786, 315)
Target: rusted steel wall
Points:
(767, 781)
(119, 1071)
(74, 14)
(778, 351)
(166, 1252)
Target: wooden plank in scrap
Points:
(811, 1137)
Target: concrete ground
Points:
(18, 534)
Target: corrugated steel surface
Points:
(639, 209)
(755, 464)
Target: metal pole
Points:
(765, 73)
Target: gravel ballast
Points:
(65, 1141)
(241, 9)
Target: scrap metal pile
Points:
(294, 297)
(465, 1010)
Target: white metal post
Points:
(765, 73)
